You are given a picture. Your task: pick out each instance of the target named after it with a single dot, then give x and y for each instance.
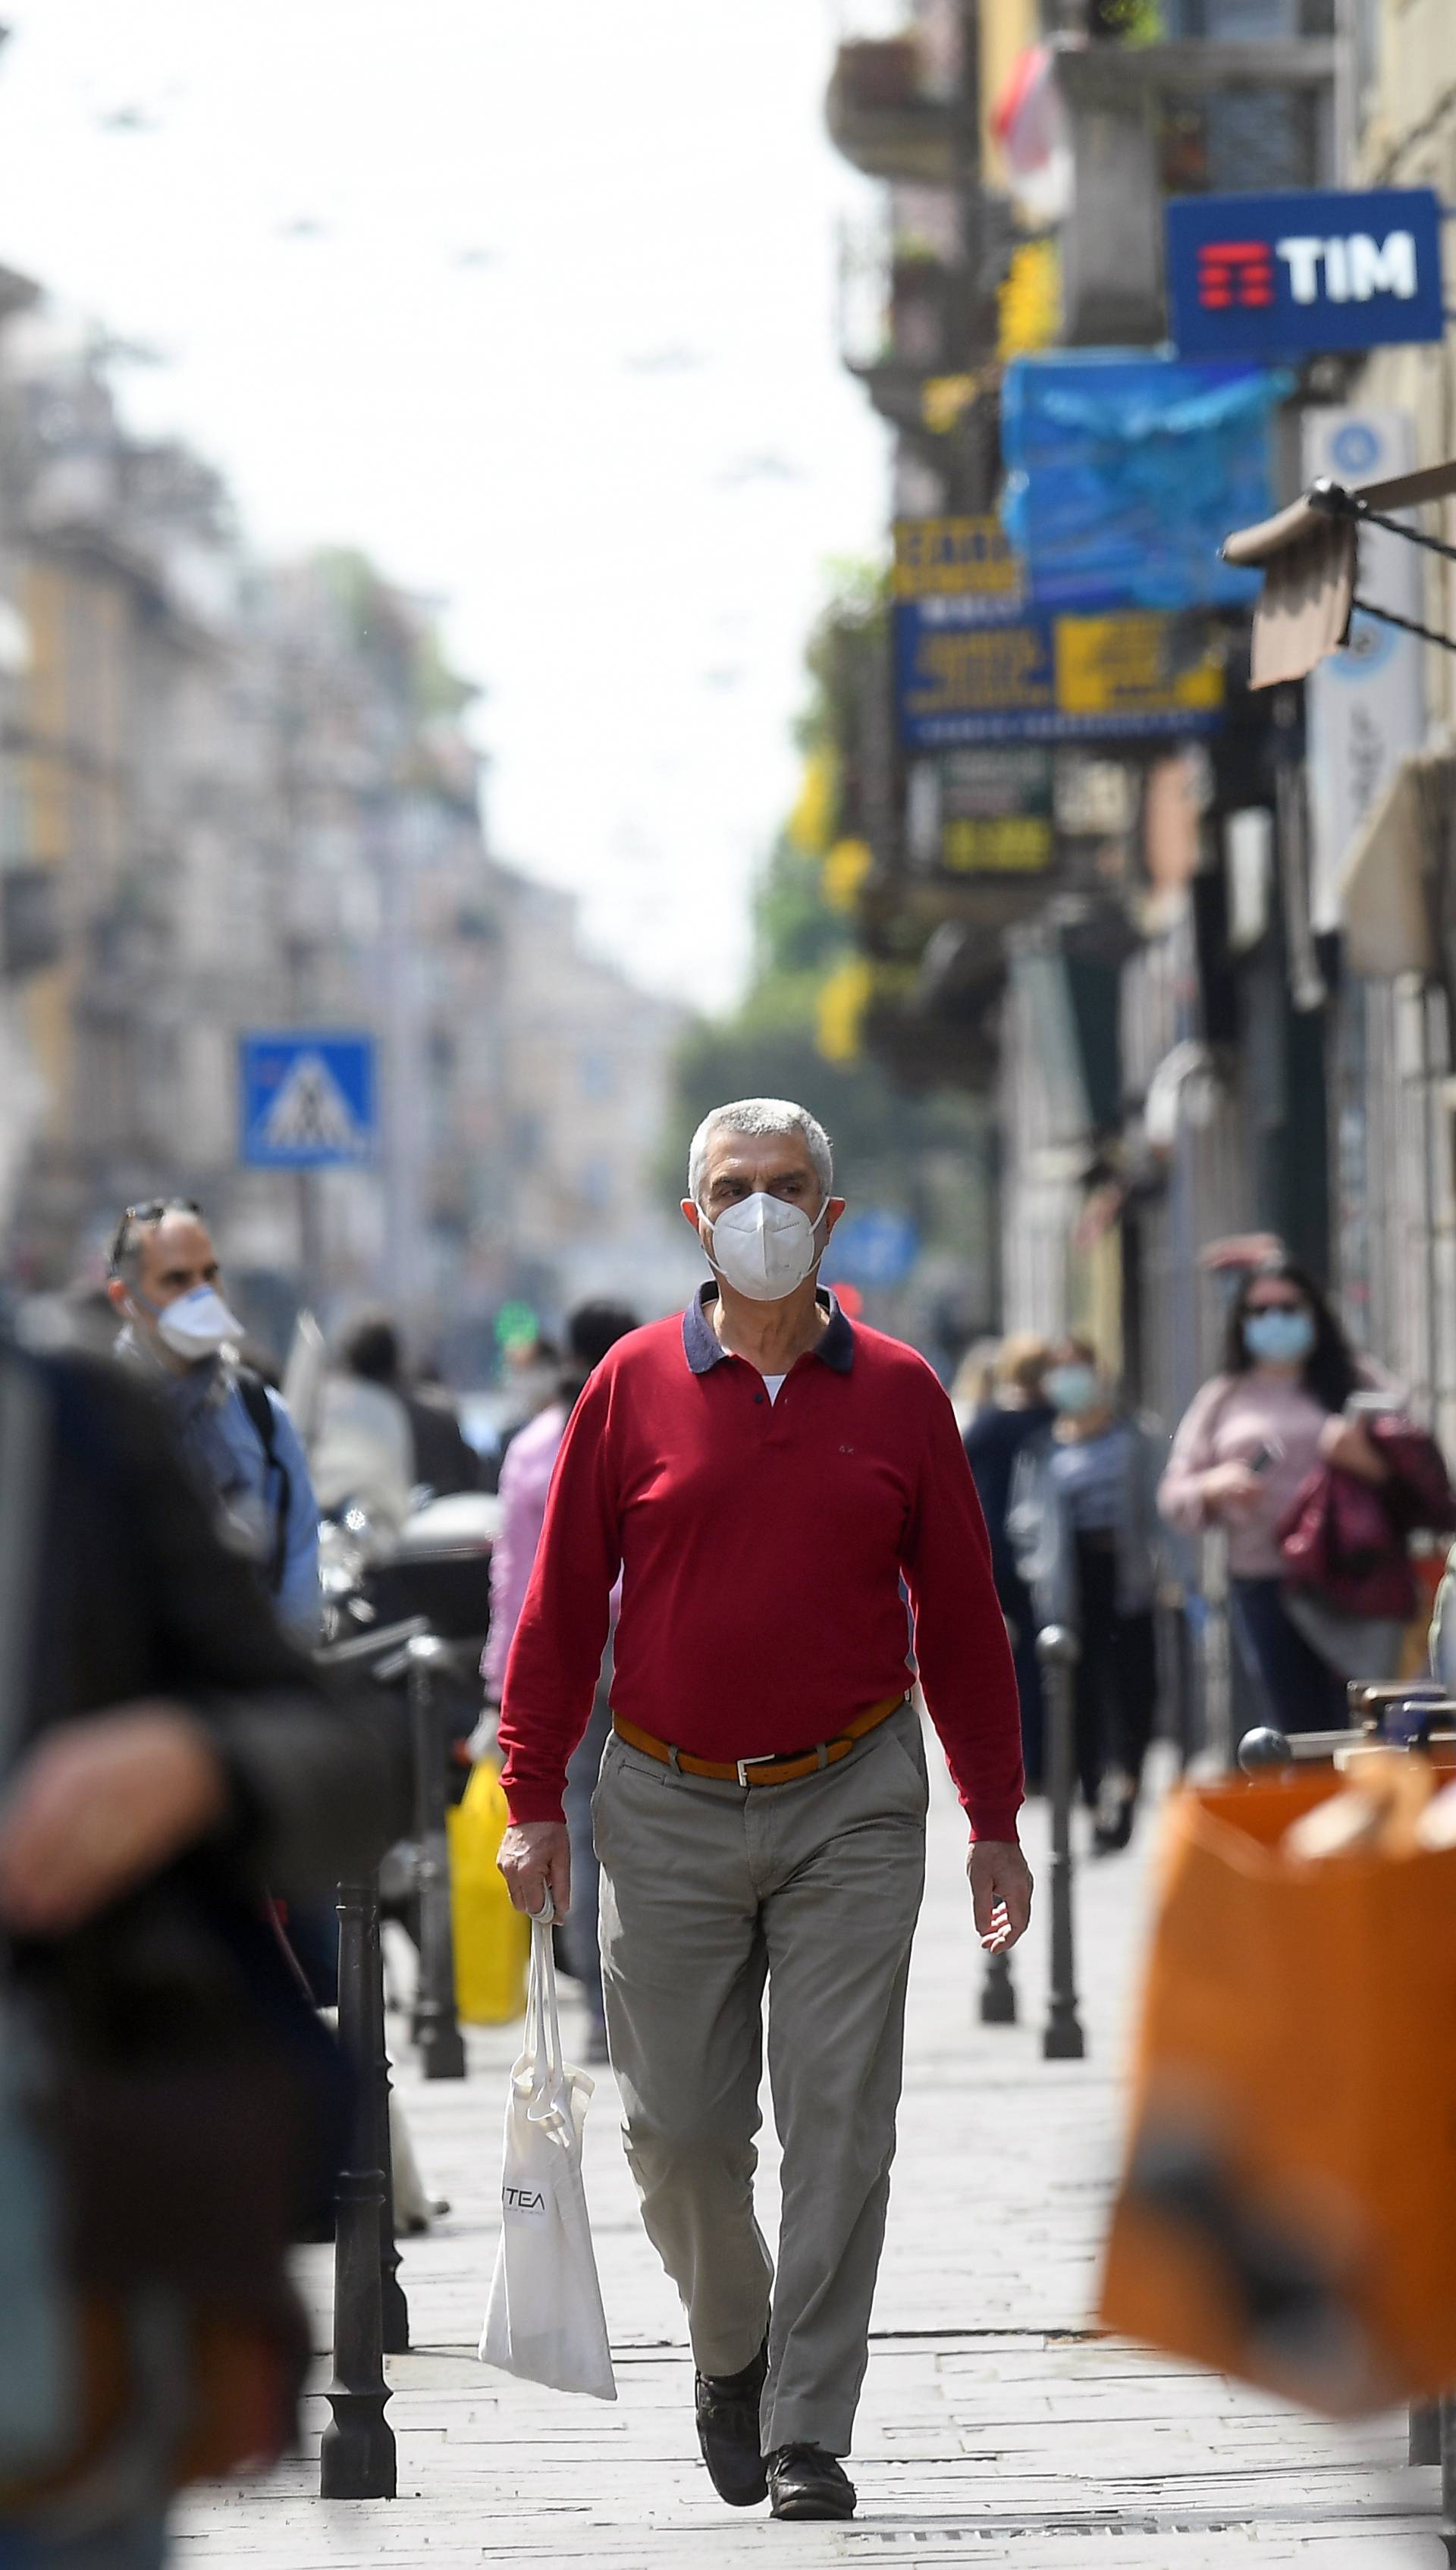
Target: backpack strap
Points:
(256, 1401)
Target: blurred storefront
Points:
(1146, 936)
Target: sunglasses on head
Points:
(149, 1212)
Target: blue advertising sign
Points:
(1304, 271)
(306, 1100)
(1041, 677)
(1125, 473)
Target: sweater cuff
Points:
(528, 1800)
(993, 1821)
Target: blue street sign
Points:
(1303, 272)
(305, 1099)
(873, 1246)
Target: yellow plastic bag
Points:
(492, 1940)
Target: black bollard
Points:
(998, 1992)
(1058, 1651)
(356, 2458)
(393, 2309)
(1423, 2432)
(1448, 2474)
(435, 2026)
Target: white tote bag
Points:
(544, 2320)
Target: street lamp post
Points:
(1059, 1650)
(356, 2458)
(435, 2026)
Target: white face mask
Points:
(764, 1248)
(198, 1324)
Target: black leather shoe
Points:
(804, 2481)
(728, 2431)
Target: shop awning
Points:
(1309, 556)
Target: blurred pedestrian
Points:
(170, 2114)
(362, 1449)
(441, 1460)
(768, 1480)
(1249, 1441)
(1014, 1414)
(1084, 1524)
(234, 1428)
(525, 1481)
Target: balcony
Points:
(909, 320)
(1185, 119)
(884, 116)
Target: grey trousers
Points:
(708, 1893)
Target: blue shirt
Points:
(1088, 1474)
(227, 1454)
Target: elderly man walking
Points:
(771, 1483)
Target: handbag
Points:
(544, 2320)
(1340, 1539)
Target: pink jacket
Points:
(525, 1481)
(1232, 1420)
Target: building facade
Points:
(247, 799)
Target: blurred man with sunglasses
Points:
(234, 1428)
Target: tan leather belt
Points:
(770, 1770)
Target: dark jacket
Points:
(195, 2110)
(444, 1460)
(994, 1444)
(136, 1597)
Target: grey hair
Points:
(756, 1118)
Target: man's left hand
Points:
(1001, 1888)
(98, 1804)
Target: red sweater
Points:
(762, 1549)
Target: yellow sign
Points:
(942, 400)
(1009, 843)
(1125, 665)
(955, 558)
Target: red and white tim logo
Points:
(1236, 276)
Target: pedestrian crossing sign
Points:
(305, 1099)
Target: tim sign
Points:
(1289, 276)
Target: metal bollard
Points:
(435, 2026)
(1448, 2474)
(356, 2458)
(998, 1992)
(1059, 1650)
(1423, 2432)
(393, 2309)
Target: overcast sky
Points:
(534, 301)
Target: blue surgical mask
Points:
(1074, 1390)
(1277, 1337)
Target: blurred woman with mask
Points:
(1251, 1438)
(1014, 1415)
(1083, 1520)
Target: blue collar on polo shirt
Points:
(703, 1349)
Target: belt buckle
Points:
(768, 1759)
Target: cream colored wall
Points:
(1410, 140)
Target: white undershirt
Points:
(773, 1385)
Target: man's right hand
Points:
(535, 1857)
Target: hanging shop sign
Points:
(982, 811)
(960, 558)
(1299, 272)
(1038, 677)
(1365, 704)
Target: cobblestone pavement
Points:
(996, 2425)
